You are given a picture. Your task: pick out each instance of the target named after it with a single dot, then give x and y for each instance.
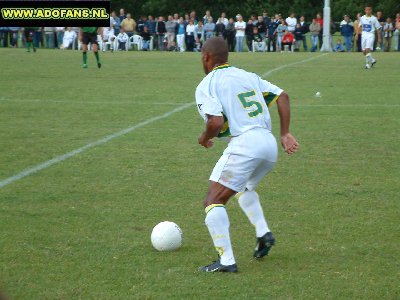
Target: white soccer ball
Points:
(166, 236)
(318, 94)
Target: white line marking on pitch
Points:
(104, 140)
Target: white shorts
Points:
(367, 41)
(246, 160)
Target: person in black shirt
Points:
(160, 32)
(249, 34)
(261, 27)
(145, 34)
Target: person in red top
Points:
(288, 39)
(321, 23)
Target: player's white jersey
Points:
(369, 25)
(241, 97)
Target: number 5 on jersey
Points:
(245, 99)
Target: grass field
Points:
(80, 228)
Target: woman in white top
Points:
(240, 27)
(190, 35)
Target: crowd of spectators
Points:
(188, 32)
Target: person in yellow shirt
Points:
(129, 25)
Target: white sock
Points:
(217, 222)
(369, 58)
(250, 204)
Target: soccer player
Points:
(89, 35)
(369, 24)
(234, 104)
(29, 33)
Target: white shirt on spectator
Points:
(190, 29)
(224, 21)
(291, 23)
(122, 37)
(240, 25)
(68, 39)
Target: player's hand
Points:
(289, 143)
(206, 143)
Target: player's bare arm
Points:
(213, 128)
(80, 34)
(288, 141)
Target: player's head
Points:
(214, 52)
(368, 10)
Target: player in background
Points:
(29, 32)
(234, 104)
(89, 35)
(369, 24)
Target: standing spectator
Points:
(199, 35)
(280, 32)
(122, 39)
(115, 23)
(180, 37)
(387, 34)
(240, 27)
(305, 29)
(249, 34)
(151, 25)
(291, 22)
(315, 29)
(220, 28)
(209, 28)
(357, 33)
(190, 35)
(186, 20)
(160, 32)
(298, 36)
(176, 18)
(223, 19)
(272, 33)
(397, 33)
(347, 30)
(259, 44)
(170, 27)
(287, 40)
(261, 27)
(129, 25)
(230, 33)
(339, 46)
(194, 17)
(321, 23)
(49, 34)
(206, 18)
(141, 23)
(381, 20)
(60, 36)
(146, 36)
(122, 15)
(266, 18)
(13, 34)
(69, 38)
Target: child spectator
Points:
(339, 46)
(69, 38)
(122, 39)
(146, 38)
(259, 44)
(387, 34)
(288, 40)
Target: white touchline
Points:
(104, 140)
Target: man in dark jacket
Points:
(273, 25)
(347, 30)
(305, 29)
(160, 32)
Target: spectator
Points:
(287, 40)
(266, 20)
(280, 32)
(272, 33)
(240, 27)
(122, 39)
(259, 44)
(69, 38)
(49, 34)
(339, 46)
(107, 33)
(347, 30)
(291, 22)
(193, 16)
(187, 19)
(13, 34)
(122, 15)
(223, 19)
(321, 23)
(190, 35)
(129, 25)
(357, 32)
(387, 34)
(199, 35)
(249, 34)
(298, 36)
(170, 27)
(180, 37)
(141, 23)
(381, 20)
(261, 27)
(230, 33)
(397, 33)
(151, 25)
(220, 28)
(115, 23)
(160, 32)
(305, 29)
(209, 28)
(206, 18)
(315, 29)
(176, 18)
(146, 36)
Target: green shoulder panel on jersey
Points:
(225, 132)
(270, 98)
(90, 29)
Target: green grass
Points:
(80, 229)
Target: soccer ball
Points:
(166, 236)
